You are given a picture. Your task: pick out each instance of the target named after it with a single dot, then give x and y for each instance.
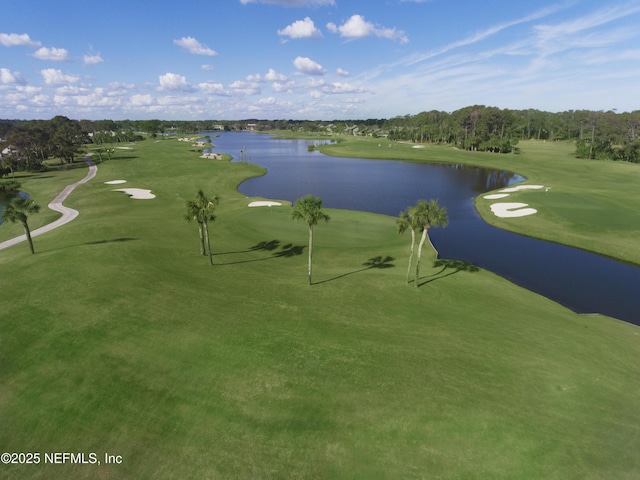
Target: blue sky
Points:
(313, 59)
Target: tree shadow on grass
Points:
(285, 251)
(447, 268)
(378, 262)
(115, 240)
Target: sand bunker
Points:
(521, 187)
(505, 210)
(496, 196)
(264, 204)
(137, 193)
(115, 182)
(125, 148)
(214, 156)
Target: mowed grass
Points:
(118, 338)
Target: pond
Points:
(582, 281)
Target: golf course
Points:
(122, 345)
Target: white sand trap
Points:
(115, 182)
(137, 193)
(505, 210)
(125, 148)
(521, 187)
(264, 204)
(418, 146)
(496, 196)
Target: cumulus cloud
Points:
(292, 3)
(194, 46)
(358, 27)
(270, 76)
(93, 59)
(141, 100)
(53, 54)
(7, 77)
(301, 29)
(342, 73)
(207, 68)
(173, 81)
(308, 66)
(211, 88)
(17, 40)
(245, 88)
(53, 76)
(267, 101)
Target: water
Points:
(582, 281)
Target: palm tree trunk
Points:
(422, 240)
(203, 251)
(432, 246)
(206, 234)
(413, 245)
(310, 250)
(28, 233)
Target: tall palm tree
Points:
(201, 210)
(309, 210)
(18, 210)
(428, 214)
(406, 221)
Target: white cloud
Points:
(342, 73)
(207, 68)
(211, 88)
(173, 81)
(93, 59)
(141, 100)
(292, 3)
(339, 87)
(194, 46)
(17, 40)
(53, 54)
(52, 76)
(267, 101)
(7, 77)
(270, 76)
(308, 66)
(301, 29)
(358, 27)
(245, 88)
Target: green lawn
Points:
(118, 337)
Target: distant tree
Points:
(309, 210)
(201, 210)
(427, 215)
(18, 210)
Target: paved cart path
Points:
(68, 214)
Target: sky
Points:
(313, 59)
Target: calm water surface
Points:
(582, 281)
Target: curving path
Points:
(68, 214)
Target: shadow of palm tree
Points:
(115, 240)
(287, 251)
(379, 262)
(449, 267)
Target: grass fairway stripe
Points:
(118, 337)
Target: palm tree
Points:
(428, 214)
(201, 210)
(405, 222)
(18, 210)
(309, 210)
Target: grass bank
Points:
(592, 205)
(118, 338)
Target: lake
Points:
(582, 281)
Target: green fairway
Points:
(119, 338)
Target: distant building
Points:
(251, 126)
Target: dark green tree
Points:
(201, 210)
